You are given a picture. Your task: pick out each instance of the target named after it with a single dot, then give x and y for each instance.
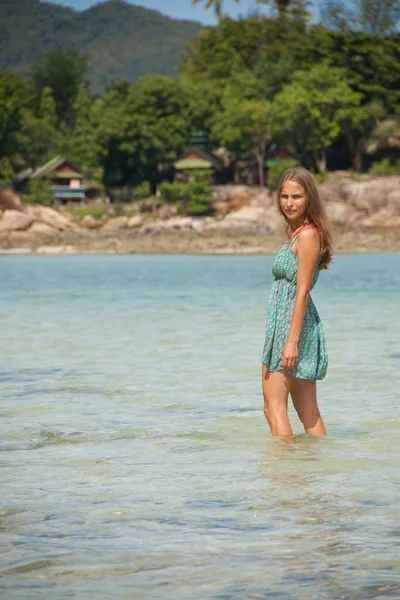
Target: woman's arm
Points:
(307, 250)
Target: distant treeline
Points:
(251, 85)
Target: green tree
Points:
(41, 139)
(14, 96)
(143, 130)
(64, 71)
(305, 113)
(243, 127)
(375, 17)
(236, 47)
(286, 6)
(283, 6)
(371, 63)
(82, 145)
(358, 123)
(204, 100)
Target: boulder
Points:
(370, 196)
(247, 214)
(39, 228)
(224, 193)
(254, 215)
(228, 198)
(9, 200)
(116, 224)
(174, 224)
(89, 222)
(166, 211)
(14, 220)
(135, 221)
(386, 217)
(51, 217)
(200, 223)
(341, 213)
(274, 219)
(393, 199)
(179, 223)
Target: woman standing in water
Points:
(295, 356)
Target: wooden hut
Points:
(66, 176)
(197, 159)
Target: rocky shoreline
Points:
(365, 215)
(231, 242)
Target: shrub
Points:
(385, 167)
(39, 191)
(321, 176)
(192, 198)
(124, 194)
(6, 171)
(143, 190)
(277, 169)
(172, 193)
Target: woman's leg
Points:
(304, 396)
(276, 387)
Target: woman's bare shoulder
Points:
(309, 240)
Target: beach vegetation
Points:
(192, 198)
(261, 89)
(385, 167)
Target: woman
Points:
(295, 356)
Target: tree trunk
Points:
(261, 177)
(259, 153)
(321, 161)
(358, 156)
(236, 178)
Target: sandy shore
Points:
(187, 242)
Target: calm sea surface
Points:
(135, 459)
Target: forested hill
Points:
(121, 40)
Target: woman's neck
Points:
(295, 226)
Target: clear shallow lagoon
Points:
(135, 459)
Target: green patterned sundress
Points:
(313, 358)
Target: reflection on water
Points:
(135, 460)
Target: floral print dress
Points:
(313, 358)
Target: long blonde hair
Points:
(315, 215)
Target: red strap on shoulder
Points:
(300, 229)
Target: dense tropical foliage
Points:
(330, 96)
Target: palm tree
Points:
(283, 6)
(217, 4)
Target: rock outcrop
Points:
(115, 224)
(51, 217)
(39, 228)
(353, 203)
(89, 222)
(9, 200)
(135, 221)
(14, 220)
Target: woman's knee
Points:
(275, 414)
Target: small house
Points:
(194, 159)
(67, 178)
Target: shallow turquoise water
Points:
(135, 460)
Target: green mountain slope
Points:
(121, 40)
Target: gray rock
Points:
(51, 217)
(116, 224)
(14, 220)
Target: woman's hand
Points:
(290, 356)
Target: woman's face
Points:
(293, 202)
